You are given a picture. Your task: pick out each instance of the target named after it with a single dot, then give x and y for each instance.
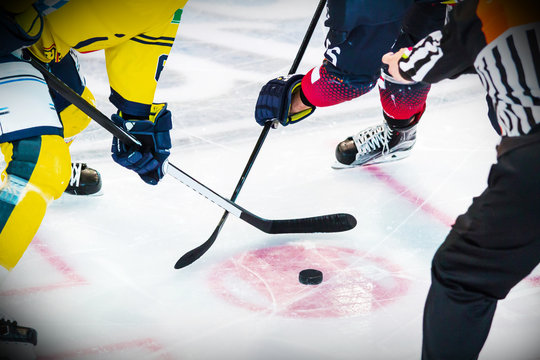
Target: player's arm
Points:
(276, 100)
(358, 36)
(445, 53)
(293, 98)
(134, 68)
(342, 76)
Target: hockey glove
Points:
(275, 98)
(18, 30)
(156, 142)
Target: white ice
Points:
(98, 280)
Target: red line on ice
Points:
(57, 262)
(72, 278)
(407, 194)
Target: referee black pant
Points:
(491, 248)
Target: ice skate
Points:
(84, 180)
(16, 342)
(376, 144)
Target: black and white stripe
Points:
(509, 69)
(421, 61)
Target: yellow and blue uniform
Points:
(136, 36)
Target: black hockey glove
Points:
(275, 99)
(19, 30)
(156, 142)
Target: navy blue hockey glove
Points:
(275, 99)
(156, 142)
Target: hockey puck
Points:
(310, 277)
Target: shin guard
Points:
(402, 101)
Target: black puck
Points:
(310, 277)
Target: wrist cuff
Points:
(305, 99)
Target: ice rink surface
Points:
(98, 280)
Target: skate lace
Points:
(372, 139)
(76, 169)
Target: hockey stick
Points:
(326, 223)
(195, 253)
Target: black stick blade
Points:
(193, 254)
(322, 224)
(318, 224)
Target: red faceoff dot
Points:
(266, 280)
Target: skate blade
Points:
(339, 166)
(99, 193)
(383, 159)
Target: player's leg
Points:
(37, 171)
(36, 155)
(84, 180)
(492, 247)
(403, 105)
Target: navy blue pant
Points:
(361, 32)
